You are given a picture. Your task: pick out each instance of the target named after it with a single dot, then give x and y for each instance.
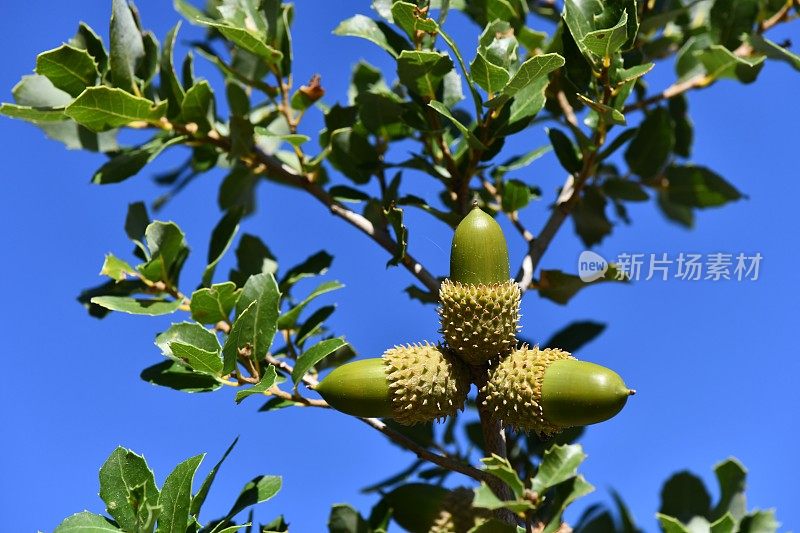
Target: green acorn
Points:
(479, 303)
(414, 383)
(547, 390)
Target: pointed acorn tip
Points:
(631, 392)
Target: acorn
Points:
(479, 302)
(424, 508)
(411, 384)
(545, 391)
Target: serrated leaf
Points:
(604, 43)
(247, 39)
(188, 333)
(265, 384)
(492, 78)
(670, 524)
(177, 376)
(198, 106)
(70, 69)
(84, 522)
(486, 499)
(87, 39)
(288, 319)
(123, 476)
(137, 306)
(516, 195)
(607, 113)
(168, 251)
(202, 492)
(314, 355)
(531, 71)
(256, 323)
(725, 524)
(105, 108)
(202, 361)
(176, 497)
(215, 303)
(558, 464)
(408, 16)
(731, 477)
(127, 46)
(116, 269)
(502, 469)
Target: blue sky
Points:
(715, 364)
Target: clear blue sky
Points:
(716, 364)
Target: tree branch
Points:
(398, 438)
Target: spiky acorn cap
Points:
(479, 322)
(547, 390)
(426, 382)
(513, 392)
(457, 514)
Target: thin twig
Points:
(396, 437)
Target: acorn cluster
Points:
(530, 389)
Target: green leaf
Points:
(33, 114)
(522, 161)
(257, 319)
(128, 163)
(726, 524)
(531, 71)
(394, 216)
(376, 32)
(127, 46)
(492, 78)
(671, 525)
(315, 265)
(252, 257)
(773, 50)
(623, 189)
(314, 355)
(516, 195)
(696, 186)
(313, 324)
(604, 43)
(221, 239)
(408, 16)
(170, 88)
(719, 62)
(295, 139)
(565, 150)
(288, 320)
(560, 287)
(70, 69)
(677, 213)
(575, 335)
(247, 39)
(633, 73)
(202, 493)
(558, 464)
(176, 497)
(486, 499)
(649, 149)
(759, 522)
(266, 383)
(731, 477)
(607, 113)
(104, 108)
(137, 306)
(187, 333)
(465, 131)
(260, 489)
(177, 376)
(212, 304)
(87, 39)
(116, 269)
(589, 216)
(128, 488)
(38, 98)
(198, 106)
(684, 130)
(85, 522)
(684, 496)
(502, 469)
(202, 361)
(422, 71)
(564, 494)
(731, 18)
(168, 251)
(345, 519)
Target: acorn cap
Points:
(426, 382)
(479, 253)
(547, 390)
(479, 322)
